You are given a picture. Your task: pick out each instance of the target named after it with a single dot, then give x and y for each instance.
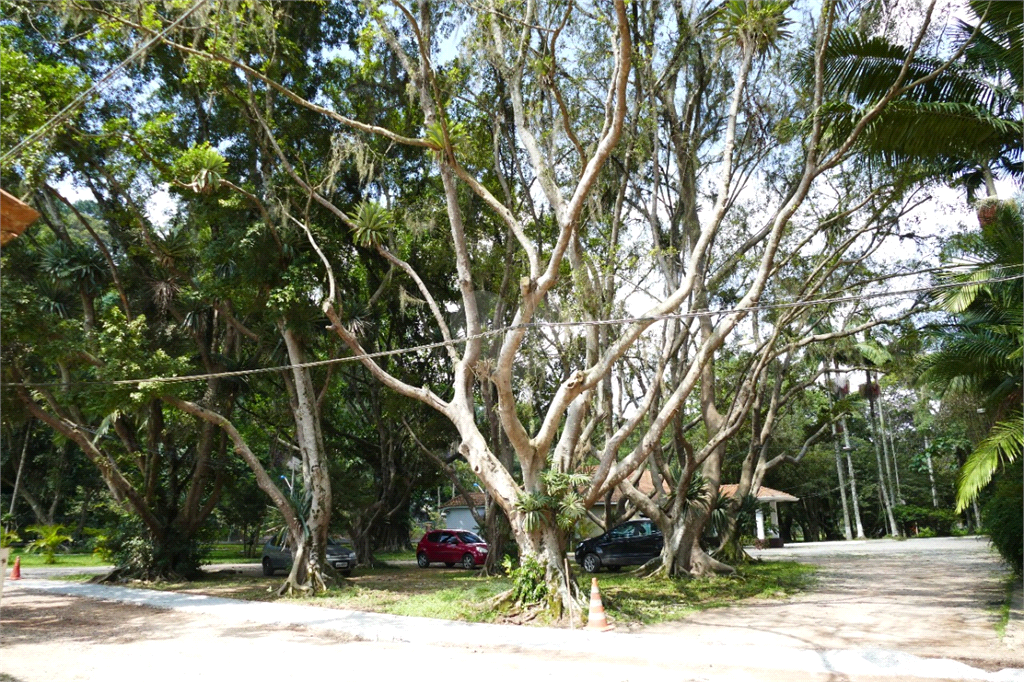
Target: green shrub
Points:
(130, 546)
(1003, 520)
(48, 540)
(939, 521)
(528, 583)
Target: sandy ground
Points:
(47, 638)
(933, 599)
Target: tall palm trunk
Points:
(847, 531)
(889, 450)
(883, 487)
(847, 448)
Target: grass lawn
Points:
(231, 554)
(457, 594)
(628, 599)
(403, 555)
(31, 560)
(219, 554)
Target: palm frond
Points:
(860, 69)
(1002, 447)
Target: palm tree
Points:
(982, 351)
(964, 123)
(49, 540)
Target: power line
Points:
(61, 115)
(503, 330)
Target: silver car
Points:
(277, 555)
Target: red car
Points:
(451, 547)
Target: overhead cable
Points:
(61, 115)
(529, 325)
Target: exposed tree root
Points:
(704, 564)
(121, 574)
(502, 599)
(650, 568)
(114, 576)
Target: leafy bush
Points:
(8, 538)
(1004, 522)
(939, 521)
(130, 546)
(48, 541)
(528, 584)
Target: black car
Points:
(629, 544)
(277, 555)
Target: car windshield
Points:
(470, 538)
(339, 542)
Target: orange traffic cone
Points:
(596, 620)
(16, 571)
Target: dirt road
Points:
(937, 597)
(874, 601)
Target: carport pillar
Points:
(759, 517)
(775, 518)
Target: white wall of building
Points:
(461, 518)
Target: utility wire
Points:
(528, 325)
(95, 88)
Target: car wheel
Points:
(591, 563)
(467, 561)
(421, 560)
(449, 564)
(268, 567)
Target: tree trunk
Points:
(847, 529)
(82, 513)
(21, 464)
(889, 453)
(547, 546)
(853, 481)
(498, 534)
(883, 488)
(307, 572)
(931, 472)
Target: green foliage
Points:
(129, 545)
(967, 109)
(558, 503)
(528, 580)
(758, 25)
(1003, 446)
(204, 166)
(34, 90)
(940, 521)
(49, 539)
(1004, 521)
(78, 264)
(8, 537)
(982, 352)
(457, 136)
(371, 224)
